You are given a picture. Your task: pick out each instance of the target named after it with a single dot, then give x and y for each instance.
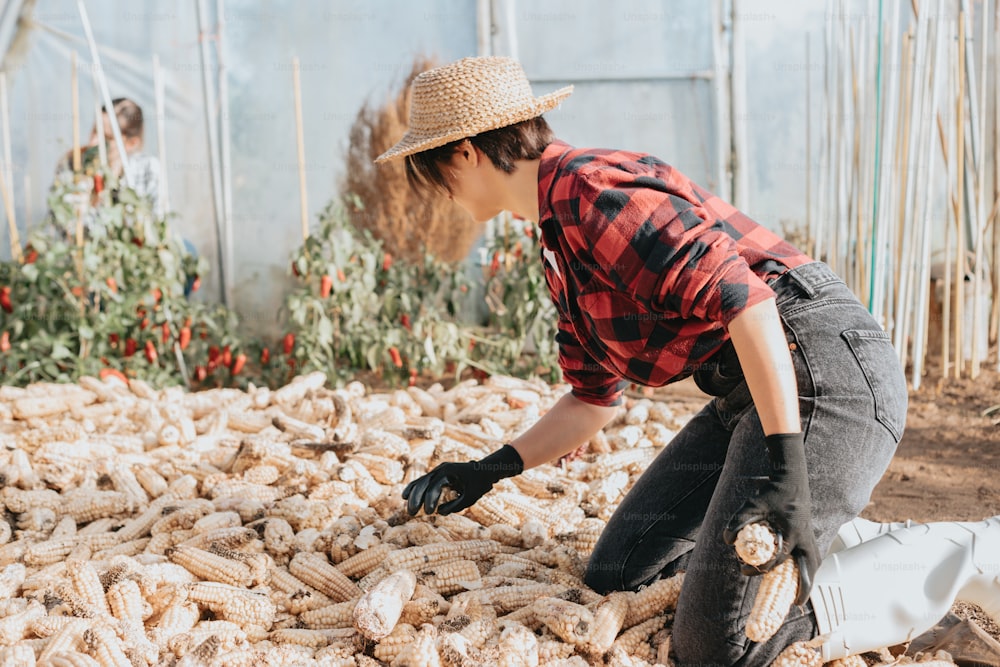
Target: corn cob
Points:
(851, 661)
(427, 555)
(20, 655)
(86, 584)
(229, 634)
(14, 627)
(176, 619)
(390, 646)
(630, 640)
(253, 612)
(105, 647)
(518, 646)
(654, 599)
(609, 618)
(337, 615)
(509, 598)
(19, 500)
(126, 603)
(69, 659)
(365, 561)
(571, 622)
(799, 654)
(11, 578)
(378, 610)
(209, 566)
(421, 652)
(67, 638)
(778, 586)
(316, 571)
(451, 577)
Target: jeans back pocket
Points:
(878, 361)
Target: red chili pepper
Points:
(5, 302)
(104, 360)
(187, 322)
(495, 264)
(5, 341)
(529, 231)
(404, 319)
(238, 363)
(196, 285)
(325, 285)
(340, 276)
(76, 291)
(413, 377)
(112, 373)
(200, 373)
(472, 345)
(295, 269)
(265, 356)
(130, 346)
(397, 360)
(203, 335)
(151, 354)
(166, 333)
(30, 255)
(144, 324)
(518, 250)
(136, 241)
(386, 261)
(184, 337)
(289, 343)
(157, 294)
(213, 354)
(113, 339)
(227, 356)
(98, 183)
(463, 288)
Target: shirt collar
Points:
(547, 169)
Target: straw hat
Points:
(467, 97)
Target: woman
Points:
(144, 169)
(655, 279)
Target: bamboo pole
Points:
(904, 282)
(211, 125)
(977, 290)
(8, 206)
(225, 154)
(7, 191)
(75, 94)
(105, 92)
(8, 162)
(301, 146)
(811, 250)
(960, 217)
(163, 193)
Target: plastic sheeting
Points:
(638, 67)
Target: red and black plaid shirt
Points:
(646, 269)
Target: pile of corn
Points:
(159, 527)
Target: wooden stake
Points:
(6, 185)
(8, 206)
(300, 142)
(163, 192)
(977, 289)
(960, 218)
(75, 88)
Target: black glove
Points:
(470, 480)
(783, 503)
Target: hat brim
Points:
(411, 144)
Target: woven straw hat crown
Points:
(467, 97)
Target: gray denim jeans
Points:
(852, 398)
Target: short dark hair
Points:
(129, 116)
(522, 141)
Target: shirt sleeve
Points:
(590, 381)
(672, 256)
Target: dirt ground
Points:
(947, 466)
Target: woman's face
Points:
(131, 143)
(472, 180)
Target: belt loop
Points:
(801, 282)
